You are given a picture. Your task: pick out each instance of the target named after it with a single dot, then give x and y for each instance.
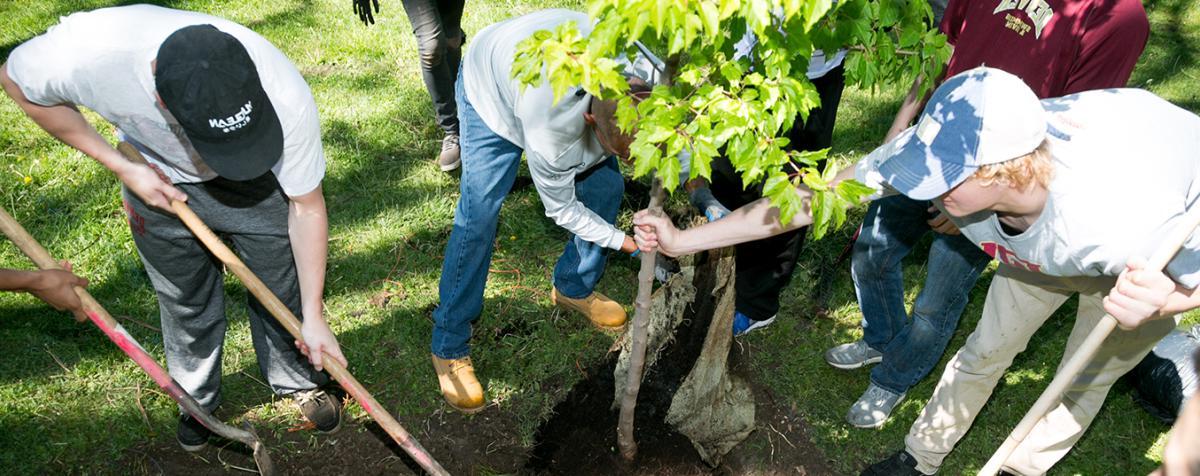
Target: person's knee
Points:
(863, 267)
(455, 43)
(432, 51)
(981, 362)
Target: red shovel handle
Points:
(117, 334)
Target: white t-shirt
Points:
(558, 144)
(1127, 169)
(101, 60)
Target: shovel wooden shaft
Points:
(119, 336)
(1084, 354)
(292, 324)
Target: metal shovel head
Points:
(261, 457)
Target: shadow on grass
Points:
(1169, 50)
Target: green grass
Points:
(69, 399)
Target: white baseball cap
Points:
(978, 117)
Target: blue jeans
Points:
(489, 167)
(910, 347)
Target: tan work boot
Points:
(459, 386)
(602, 311)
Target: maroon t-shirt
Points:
(1058, 47)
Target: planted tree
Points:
(713, 102)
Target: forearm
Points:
(754, 221)
(308, 231)
(17, 280)
(67, 124)
(1180, 301)
(912, 105)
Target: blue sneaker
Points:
(743, 324)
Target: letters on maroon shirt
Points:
(1058, 47)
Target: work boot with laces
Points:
(598, 308)
(450, 157)
(460, 388)
(320, 408)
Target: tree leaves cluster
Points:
(719, 103)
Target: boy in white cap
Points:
(1034, 184)
(228, 124)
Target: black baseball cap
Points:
(208, 82)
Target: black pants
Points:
(438, 28)
(765, 267)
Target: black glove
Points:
(363, 9)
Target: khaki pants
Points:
(1012, 313)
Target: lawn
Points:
(70, 400)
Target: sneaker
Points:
(853, 355)
(450, 157)
(598, 308)
(321, 408)
(899, 464)
(192, 435)
(743, 324)
(874, 407)
(459, 386)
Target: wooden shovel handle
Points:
(289, 322)
(1086, 350)
(40, 257)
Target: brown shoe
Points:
(459, 386)
(602, 311)
(449, 159)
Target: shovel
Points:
(1085, 352)
(289, 321)
(126, 342)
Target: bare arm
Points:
(67, 124)
(308, 231)
(908, 111)
(55, 287)
(912, 106)
(754, 221)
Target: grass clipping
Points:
(712, 408)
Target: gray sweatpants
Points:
(188, 279)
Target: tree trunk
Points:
(641, 318)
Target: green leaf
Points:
(810, 157)
(853, 191)
(822, 213)
(758, 14)
(660, 134)
(813, 11)
(889, 13)
(702, 155)
(813, 180)
(732, 71)
(729, 7)
(645, 156)
(711, 17)
(668, 172)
